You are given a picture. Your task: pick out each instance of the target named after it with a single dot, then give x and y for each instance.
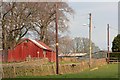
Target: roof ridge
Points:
(38, 44)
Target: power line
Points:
(113, 28)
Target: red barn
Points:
(30, 48)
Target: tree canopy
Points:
(81, 44)
(75, 45)
(116, 44)
(19, 18)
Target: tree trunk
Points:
(4, 45)
(43, 35)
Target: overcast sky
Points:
(103, 13)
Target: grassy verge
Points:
(107, 71)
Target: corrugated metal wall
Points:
(25, 49)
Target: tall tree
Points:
(19, 18)
(0, 25)
(46, 20)
(15, 23)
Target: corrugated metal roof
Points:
(48, 48)
(74, 54)
(38, 43)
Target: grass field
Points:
(106, 71)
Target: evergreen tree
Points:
(116, 44)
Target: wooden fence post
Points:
(14, 71)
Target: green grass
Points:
(106, 71)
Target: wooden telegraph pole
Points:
(90, 35)
(108, 40)
(56, 27)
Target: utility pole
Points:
(108, 40)
(56, 27)
(90, 35)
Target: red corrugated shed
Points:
(32, 48)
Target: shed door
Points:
(44, 53)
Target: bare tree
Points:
(19, 18)
(46, 19)
(16, 22)
(65, 45)
(0, 25)
(82, 45)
